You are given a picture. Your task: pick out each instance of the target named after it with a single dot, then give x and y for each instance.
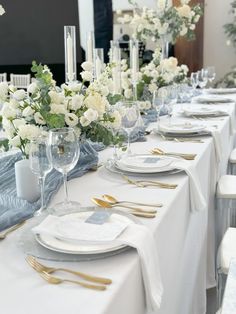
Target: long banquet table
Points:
(185, 241)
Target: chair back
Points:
(3, 77)
(20, 80)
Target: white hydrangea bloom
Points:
(28, 131)
(96, 102)
(57, 109)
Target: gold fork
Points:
(158, 151)
(43, 268)
(146, 183)
(9, 230)
(56, 280)
(181, 139)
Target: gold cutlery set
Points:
(110, 202)
(149, 183)
(45, 272)
(4, 234)
(181, 139)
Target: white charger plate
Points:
(212, 99)
(221, 91)
(203, 111)
(145, 163)
(84, 247)
(181, 128)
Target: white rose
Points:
(192, 27)
(91, 114)
(197, 17)
(86, 76)
(38, 118)
(56, 98)
(71, 119)
(184, 11)
(8, 128)
(104, 90)
(28, 132)
(128, 93)
(84, 122)
(28, 111)
(8, 111)
(57, 109)
(76, 102)
(19, 94)
(18, 122)
(15, 141)
(87, 66)
(96, 102)
(32, 88)
(2, 10)
(3, 90)
(74, 86)
(117, 119)
(183, 31)
(152, 87)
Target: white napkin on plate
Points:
(197, 200)
(134, 235)
(71, 229)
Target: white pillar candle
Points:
(70, 58)
(98, 67)
(134, 70)
(90, 47)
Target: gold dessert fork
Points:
(43, 268)
(56, 280)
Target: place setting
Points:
(212, 99)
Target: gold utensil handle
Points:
(140, 204)
(9, 230)
(143, 215)
(102, 280)
(136, 209)
(85, 285)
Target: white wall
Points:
(216, 52)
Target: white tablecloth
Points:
(185, 242)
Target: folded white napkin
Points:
(74, 229)
(136, 236)
(197, 200)
(217, 143)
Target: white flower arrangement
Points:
(166, 22)
(2, 10)
(45, 106)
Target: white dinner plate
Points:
(212, 99)
(85, 248)
(203, 111)
(221, 91)
(182, 128)
(145, 163)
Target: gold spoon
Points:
(135, 211)
(112, 200)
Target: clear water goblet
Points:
(130, 114)
(211, 73)
(40, 165)
(64, 154)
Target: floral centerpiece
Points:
(158, 73)
(230, 28)
(229, 79)
(25, 115)
(167, 22)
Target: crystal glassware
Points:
(211, 73)
(130, 114)
(202, 78)
(40, 165)
(64, 154)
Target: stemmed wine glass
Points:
(130, 114)
(64, 154)
(40, 165)
(194, 81)
(202, 78)
(172, 100)
(211, 73)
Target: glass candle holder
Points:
(134, 64)
(90, 47)
(98, 62)
(115, 59)
(70, 53)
